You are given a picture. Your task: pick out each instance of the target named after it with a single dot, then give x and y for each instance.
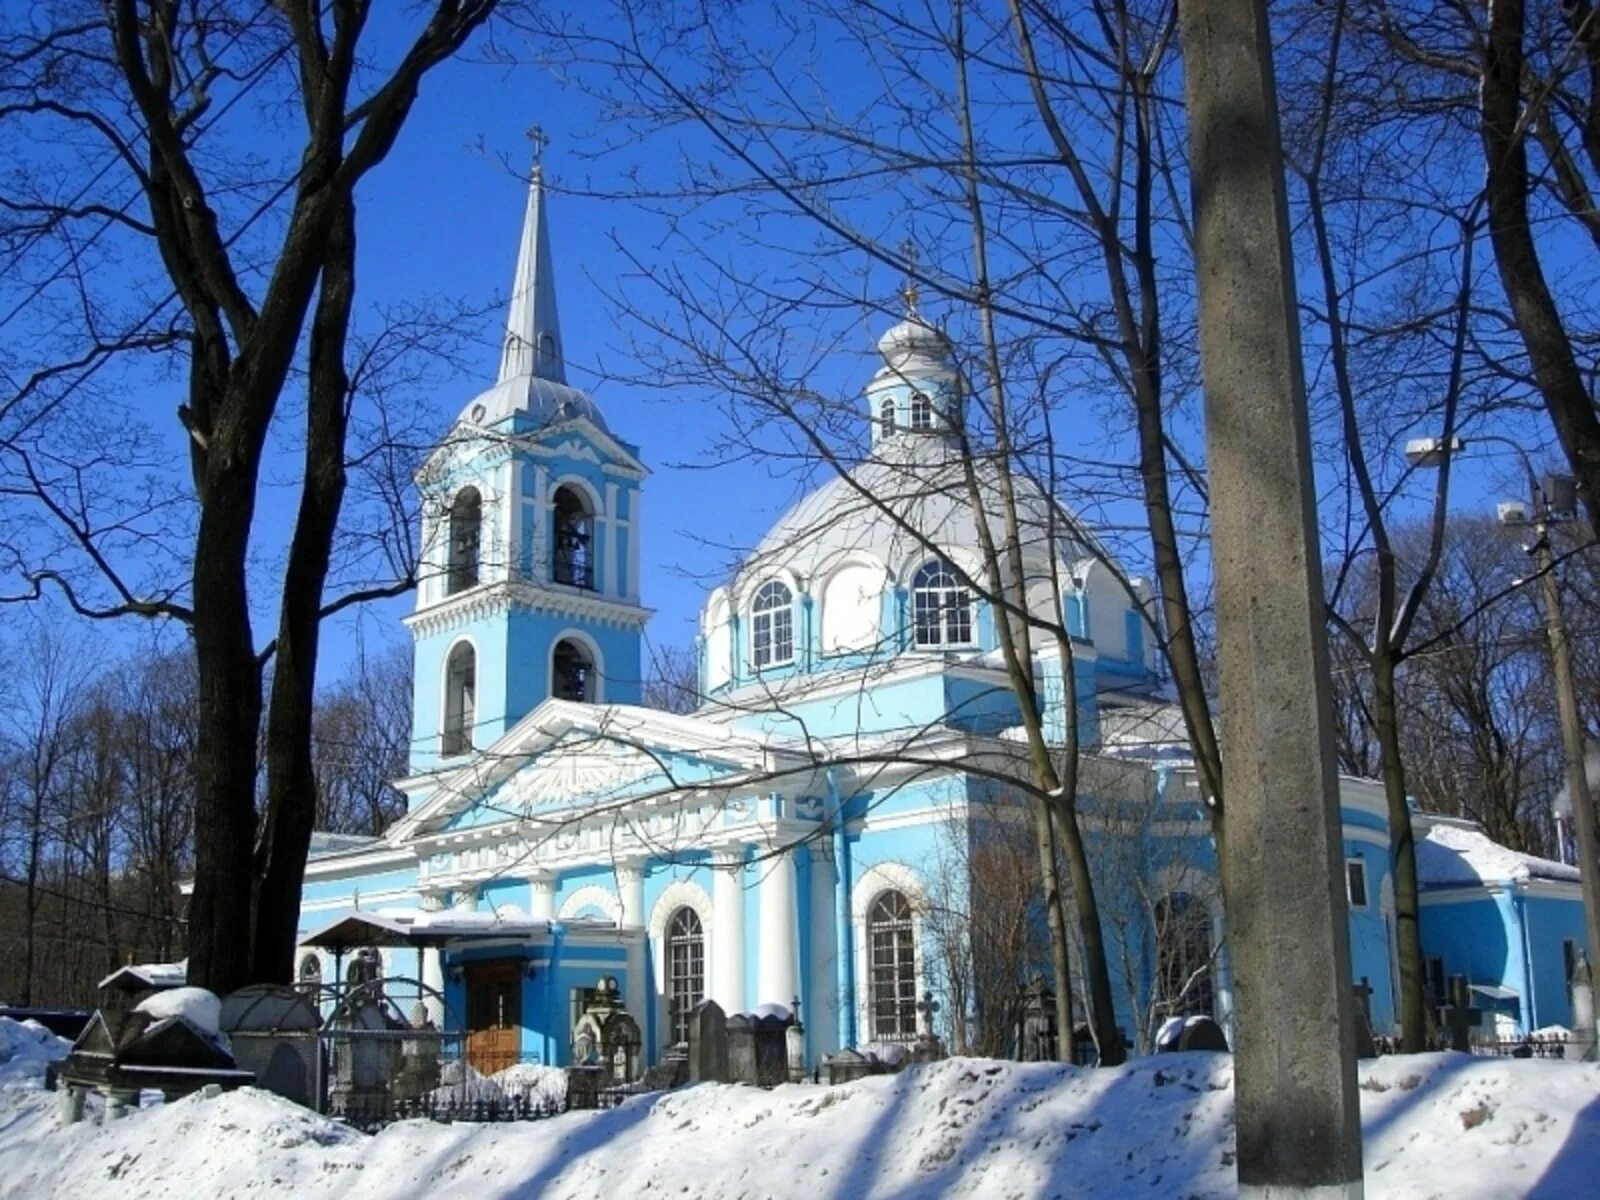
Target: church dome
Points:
(541, 401)
(872, 511)
(913, 338)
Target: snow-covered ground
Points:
(1439, 1125)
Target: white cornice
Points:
(517, 595)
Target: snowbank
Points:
(1436, 1125)
(26, 1047)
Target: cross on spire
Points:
(540, 140)
(908, 293)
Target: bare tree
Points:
(260, 261)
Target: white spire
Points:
(533, 331)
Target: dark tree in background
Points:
(219, 147)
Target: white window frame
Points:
(771, 626)
(921, 412)
(906, 927)
(950, 602)
(669, 944)
(886, 417)
(1357, 861)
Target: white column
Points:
(630, 892)
(821, 1013)
(633, 544)
(433, 967)
(778, 975)
(727, 929)
(541, 895)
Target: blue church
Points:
(791, 840)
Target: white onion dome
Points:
(913, 338)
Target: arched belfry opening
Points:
(572, 672)
(466, 538)
(460, 700)
(572, 553)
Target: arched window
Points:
(886, 417)
(572, 556)
(572, 668)
(466, 534)
(686, 971)
(1183, 957)
(547, 351)
(310, 973)
(921, 412)
(460, 700)
(891, 945)
(941, 609)
(772, 626)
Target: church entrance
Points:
(494, 1014)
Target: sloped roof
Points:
(1459, 854)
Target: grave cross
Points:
(1458, 1019)
(928, 1007)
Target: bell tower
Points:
(529, 582)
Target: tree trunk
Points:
(1555, 367)
(291, 774)
(1055, 913)
(229, 718)
(1402, 857)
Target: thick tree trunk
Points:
(291, 778)
(1555, 367)
(229, 717)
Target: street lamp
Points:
(1555, 501)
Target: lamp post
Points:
(1553, 502)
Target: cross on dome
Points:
(908, 292)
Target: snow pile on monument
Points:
(1436, 1125)
(196, 1007)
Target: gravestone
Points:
(708, 1043)
(1366, 1044)
(849, 1065)
(1582, 1043)
(273, 1031)
(758, 1051)
(1202, 1033)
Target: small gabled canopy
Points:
(416, 929)
(358, 930)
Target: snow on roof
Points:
(149, 975)
(1457, 854)
(324, 844)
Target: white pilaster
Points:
(630, 893)
(821, 1013)
(433, 967)
(778, 974)
(633, 546)
(512, 519)
(541, 895)
(608, 585)
(465, 899)
(541, 523)
(727, 930)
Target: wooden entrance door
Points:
(494, 1014)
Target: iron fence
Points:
(1537, 1046)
